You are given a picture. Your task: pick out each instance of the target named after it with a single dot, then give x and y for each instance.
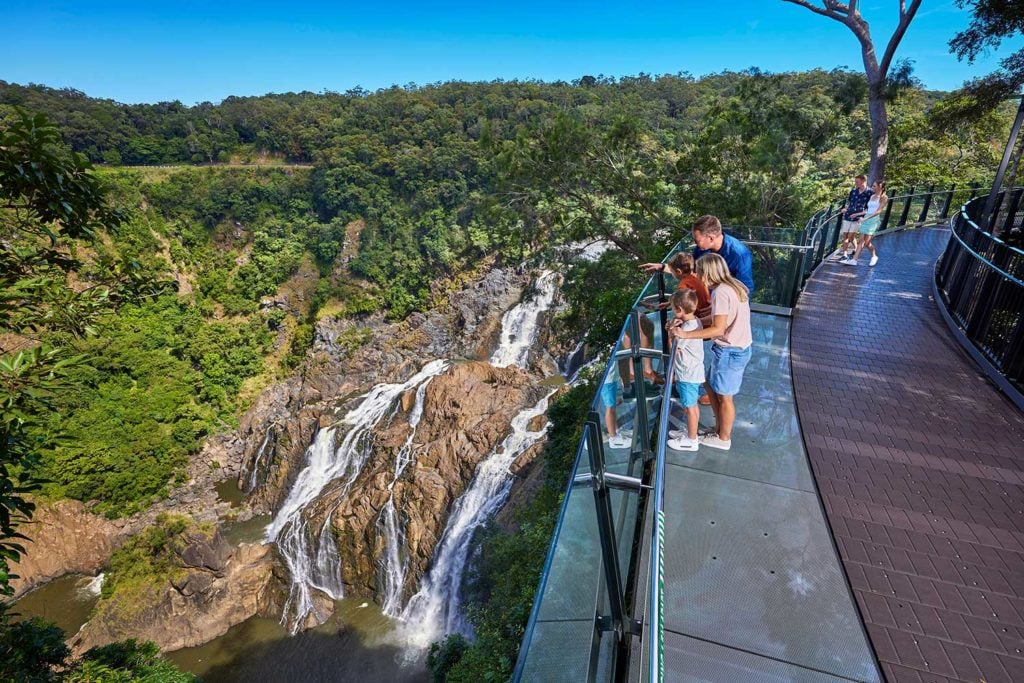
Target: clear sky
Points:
(148, 51)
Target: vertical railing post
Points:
(991, 205)
(641, 431)
(945, 205)
(927, 205)
(662, 312)
(606, 532)
(839, 226)
(906, 208)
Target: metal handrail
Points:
(1014, 279)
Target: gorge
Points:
(382, 504)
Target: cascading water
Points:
(519, 324)
(395, 564)
(314, 563)
(436, 608)
(259, 458)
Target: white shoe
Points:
(713, 441)
(849, 262)
(619, 441)
(874, 260)
(682, 443)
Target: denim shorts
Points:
(611, 394)
(727, 365)
(688, 392)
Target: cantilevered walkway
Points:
(920, 463)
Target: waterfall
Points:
(327, 461)
(435, 609)
(519, 324)
(91, 587)
(394, 562)
(259, 458)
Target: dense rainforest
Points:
(242, 223)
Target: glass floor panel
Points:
(753, 587)
(688, 660)
(751, 566)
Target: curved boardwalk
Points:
(920, 463)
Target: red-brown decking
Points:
(920, 463)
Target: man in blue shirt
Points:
(708, 237)
(856, 208)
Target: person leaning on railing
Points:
(728, 327)
(708, 238)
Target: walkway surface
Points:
(920, 463)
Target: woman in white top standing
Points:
(869, 225)
(729, 327)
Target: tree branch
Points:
(906, 16)
(830, 10)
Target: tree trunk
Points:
(879, 130)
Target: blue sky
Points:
(146, 51)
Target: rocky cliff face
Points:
(213, 588)
(466, 414)
(66, 539)
(291, 412)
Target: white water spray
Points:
(259, 458)
(91, 587)
(436, 608)
(319, 567)
(519, 325)
(395, 563)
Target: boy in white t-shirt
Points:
(689, 369)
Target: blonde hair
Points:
(715, 271)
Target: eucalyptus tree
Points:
(877, 70)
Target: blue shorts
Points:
(688, 392)
(611, 394)
(727, 365)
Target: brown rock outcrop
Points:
(466, 415)
(291, 411)
(214, 588)
(65, 539)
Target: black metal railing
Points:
(980, 281)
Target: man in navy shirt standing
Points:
(708, 237)
(856, 208)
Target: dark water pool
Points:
(356, 644)
(66, 601)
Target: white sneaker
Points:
(682, 443)
(713, 441)
(619, 441)
(874, 260)
(849, 262)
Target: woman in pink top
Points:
(729, 327)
